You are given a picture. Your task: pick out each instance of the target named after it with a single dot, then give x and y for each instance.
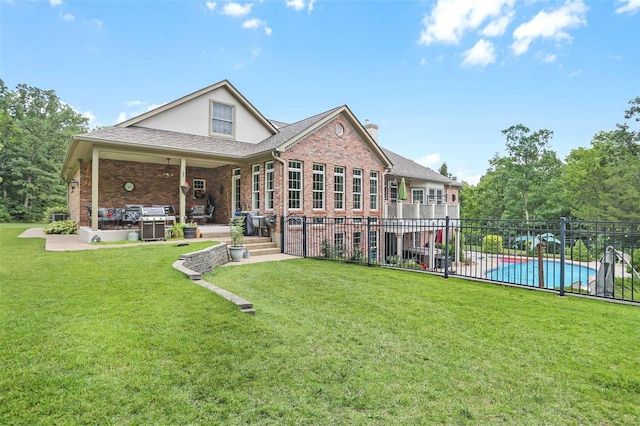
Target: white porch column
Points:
(95, 175)
(399, 248)
(183, 179)
(432, 250)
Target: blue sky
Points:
(441, 78)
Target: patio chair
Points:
(197, 214)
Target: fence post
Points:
(446, 247)
(368, 236)
(284, 236)
(563, 222)
(304, 236)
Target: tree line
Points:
(35, 131)
(599, 183)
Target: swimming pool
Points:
(526, 273)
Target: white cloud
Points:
(550, 25)
(467, 176)
(97, 23)
(549, 58)
(68, 17)
(630, 6)
(55, 2)
(256, 23)
(121, 117)
(451, 19)
(295, 4)
(498, 26)
(575, 73)
(428, 160)
(135, 103)
(91, 117)
(211, 5)
(236, 9)
(483, 53)
(423, 62)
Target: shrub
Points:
(492, 244)
(50, 211)
(580, 252)
(635, 260)
(61, 227)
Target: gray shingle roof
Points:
(147, 137)
(408, 168)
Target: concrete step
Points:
(264, 251)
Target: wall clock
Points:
(129, 186)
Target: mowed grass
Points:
(117, 336)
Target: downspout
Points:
(276, 156)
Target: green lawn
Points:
(117, 336)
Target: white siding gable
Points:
(194, 117)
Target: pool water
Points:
(526, 273)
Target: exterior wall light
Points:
(73, 183)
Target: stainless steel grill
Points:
(152, 223)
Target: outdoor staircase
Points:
(257, 246)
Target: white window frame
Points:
(373, 189)
(269, 184)
(393, 191)
(295, 194)
(199, 185)
(226, 120)
(436, 195)
(255, 187)
(415, 191)
(357, 189)
(318, 186)
(338, 187)
(236, 190)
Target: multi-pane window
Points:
(199, 188)
(373, 244)
(295, 184)
(338, 242)
(338, 187)
(269, 175)
(318, 186)
(237, 205)
(393, 191)
(357, 189)
(221, 118)
(255, 187)
(373, 190)
(435, 196)
(417, 195)
(357, 239)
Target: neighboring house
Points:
(237, 160)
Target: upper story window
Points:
(222, 118)
(373, 190)
(417, 195)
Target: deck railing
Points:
(421, 211)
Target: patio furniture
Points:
(197, 214)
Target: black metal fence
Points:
(599, 259)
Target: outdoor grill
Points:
(152, 223)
